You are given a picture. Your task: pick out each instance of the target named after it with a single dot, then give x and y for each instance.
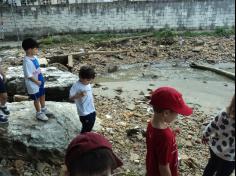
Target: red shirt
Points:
(161, 150)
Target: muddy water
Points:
(203, 88)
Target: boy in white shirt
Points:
(34, 79)
(81, 93)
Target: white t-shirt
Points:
(29, 72)
(85, 105)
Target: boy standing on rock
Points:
(3, 99)
(34, 79)
(162, 151)
(81, 93)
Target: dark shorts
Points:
(2, 87)
(88, 122)
(36, 96)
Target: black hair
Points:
(87, 72)
(93, 162)
(29, 43)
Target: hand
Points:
(80, 95)
(39, 83)
(205, 140)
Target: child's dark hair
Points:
(102, 159)
(87, 72)
(29, 43)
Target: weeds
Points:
(165, 36)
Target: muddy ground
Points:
(124, 120)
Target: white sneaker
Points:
(41, 116)
(46, 111)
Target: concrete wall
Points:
(118, 16)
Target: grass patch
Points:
(167, 35)
(83, 38)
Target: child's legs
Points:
(42, 97)
(226, 168)
(3, 93)
(37, 105)
(36, 99)
(42, 101)
(88, 122)
(3, 99)
(212, 165)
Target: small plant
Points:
(165, 36)
(224, 32)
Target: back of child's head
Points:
(168, 98)
(29, 43)
(87, 72)
(231, 108)
(90, 154)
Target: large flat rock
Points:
(27, 138)
(58, 83)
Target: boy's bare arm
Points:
(35, 81)
(78, 96)
(165, 170)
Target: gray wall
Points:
(119, 16)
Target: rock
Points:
(214, 47)
(59, 67)
(19, 165)
(198, 42)
(141, 93)
(43, 62)
(4, 172)
(189, 144)
(131, 107)
(108, 116)
(58, 83)
(32, 140)
(19, 98)
(105, 88)
(42, 166)
(151, 51)
(211, 61)
(134, 157)
(197, 49)
(112, 69)
(119, 90)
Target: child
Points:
(34, 79)
(90, 154)
(81, 93)
(220, 134)
(3, 98)
(162, 152)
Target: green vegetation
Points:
(167, 35)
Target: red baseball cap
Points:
(170, 98)
(87, 142)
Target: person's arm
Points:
(165, 170)
(35, 81)
(76, 93)
(78, 96)
(28, 72)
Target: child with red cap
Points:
(90, 154)
(162, 151)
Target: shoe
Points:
(41, 116)
(5, 110)
(46, 112)
(3, 119)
